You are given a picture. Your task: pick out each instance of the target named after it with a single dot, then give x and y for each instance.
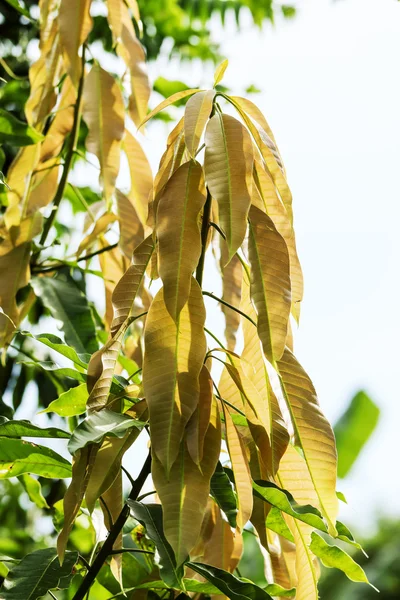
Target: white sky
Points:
(331, 92)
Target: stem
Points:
(68, 159)
(139, 550)
(204, 234)
(59, 266)
(107, 547)
(211, 295)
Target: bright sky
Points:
(331, 92)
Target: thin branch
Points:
(143, 496)
(139, 550)
(129, 476)
(104, 503)
(230, 405)
(212, 224)
(211, 295)
(204, 234)
(59, 266)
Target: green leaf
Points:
(167, 87)
(55, 343)
(34, 490)
(283, 500)
(150, 516)
(17, 429)
(59, 372)
(98, 425)
(37, 573)
(276, 522)
(21, 9)
(191, 585)
(70, 403)
(274, 589)
(354, 429)
(335, 557)
(228, 584)
(222, 492)
(345, 535)
(16, 132)
(69, 305)
(18, 457)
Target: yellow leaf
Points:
(241, 471)
(282, 555)
(141, 176)
(174, 355)
(82, 463)
(198, 423)
(44, 185)
(62, 123)
(167, 102)
(19, 178)
(104, 113)
(220, 71)
(113, 265)
(14, 274)
(178, 231)
(197, 113)
(101, 226)
(228, 169)
(313, 435)
(232, 275)
(184, 492)
(270, 283)
(265, 197)
(130, 227)
(111, 506)
(75, 24)
(132, 53)
(102, 364)
(170, 160)
(114, 17)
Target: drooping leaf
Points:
(18, 457)
(70, 307)
(52, 368)
(174, 355)
(312, 431)
(70, 403)
(131, 232)
(18, 429)
(283, 500)
(345, 535)
(353, 430)
(229, 584)
(178, 232)
(197, 113)
(33, 489)
(220, 71)
(104, 112)
(222, 492)
(187, 486)
(19, 7)
(276, 522)
(15, 132)
(98, 425)
(232, 276)
(14, 274)
(197, 426)
(151, 517)
(171, 100)
(228, 167)
(141, 176)
(72, 38)
(270, 283)
(37, 573)
(333, 556)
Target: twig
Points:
(59, 266)
(204, 234)
(211, 295)
(139, 550)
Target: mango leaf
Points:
(15, 132)
(72, 38)
(55, 343)
(197, 426)
(141, 176)
(48, 366)
(311, 431)
(283, 500)
(228, 168)
(345, 535)
(18, 456)
(37, 573)
(174, 355)
(171, 100)
(68, 305)
(197, 113)
(179, 234)
(353, 430)
(228, 584)
(20, 8)
(270, 283)
(276, 590)
(276, 522)
(335, 557)
(223, 494)
(97, 425)
(70, 403)
(151, 517)
(220, 71)
(167, 87)
(33, 489)
(17, 429)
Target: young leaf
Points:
(18, 457)
(174, 355)
(15, 132)
(333, 556)
(228, 584)
(99, 425)
(171, 100)
(72, 38)
(220, 71)
(33, 489)
(37, 573)
(228, 167)
(151, 517)
(270, 283)
(197, 113)
(70, 403)
(68, 305)
(222, 492)
(177, 227)
(17, 429)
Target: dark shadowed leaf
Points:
(18, 457)
(56, 343)
(223, 494)
(228, 584)
(16, 132)
(17, 429)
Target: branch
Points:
(204, 234)
(59, 266)
(211, 295)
